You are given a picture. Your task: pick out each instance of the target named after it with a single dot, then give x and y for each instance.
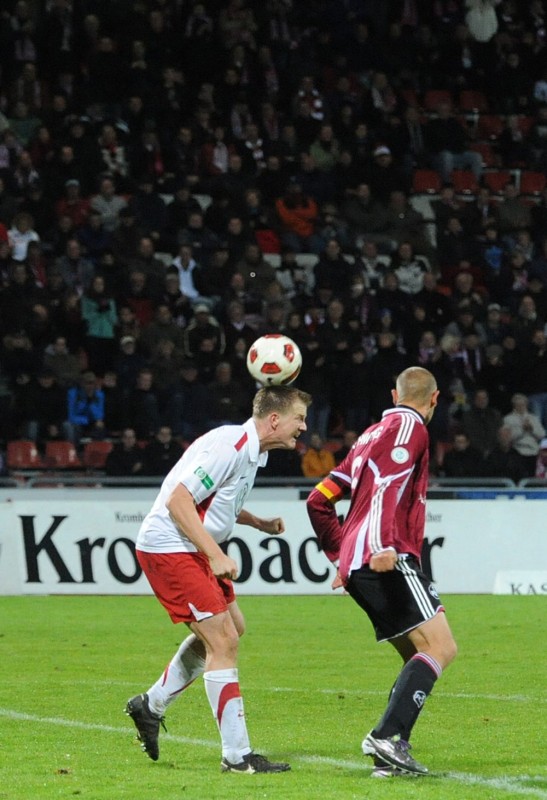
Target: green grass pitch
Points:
(314, 682)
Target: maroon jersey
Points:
(386, 475)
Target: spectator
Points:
(142, 412)
(86, 409)
(230, 399)
(108, 204)
(463, 460)
(409, 268)
(163, 327)
(541, 462)
(317, 461)
(192, 405)
(72, 204)
(385, 176)
(332, 269)
(298, 214)
(526, 431)
(256, 271)
(349, 438)
(64, 365)
(504, 461)
(448, 142)
(534, 374)
(482, 422)
(162, 453)
(76, 270)
(367, 218)
(128, 363)
(126, 457)
(44, 410)
(352, 392)
(99, 312)
(21, 234)
(114, 404)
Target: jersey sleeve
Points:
(208, 469)
(322, 513)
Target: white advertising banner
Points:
(74, 541)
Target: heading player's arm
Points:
(273, 526)
(182, 508)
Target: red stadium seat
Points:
(433, 97)
(470, 100)
(426, 181)
(95, 453)
(61, 455)
(410, 97)
(464, 181)
(525, 123)
(497, 180)
(532, 183)
(487, 154)
(489, 127)
(22, 454)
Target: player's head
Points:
(416, 387)
(279, 413)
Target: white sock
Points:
(222, 689)
(185, 666)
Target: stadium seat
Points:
(497, 179)
(432, 98)
(22, 454)
(525, 123)
(95, 453)
(61, 455)
(426, 181)
(487, 154)
(489, 127)
(470, 100)
(464, 181)
(532, 183)
(410, 97)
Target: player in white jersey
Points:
(178, 548)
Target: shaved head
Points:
(416, 387)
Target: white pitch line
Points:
(515, 698)
(505, 784)
(508, 698)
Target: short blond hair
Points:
(279, 399)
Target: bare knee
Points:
(450, 651)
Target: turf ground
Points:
(314, 682)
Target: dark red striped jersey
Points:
(385, 475)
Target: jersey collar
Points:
(405, 410)
(254, 445)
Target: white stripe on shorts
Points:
(416, 589)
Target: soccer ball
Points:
(274, 360)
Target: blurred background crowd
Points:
(177, 178)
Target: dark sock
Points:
(408, 696)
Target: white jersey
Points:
(219, 470)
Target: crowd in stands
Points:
(367, 176)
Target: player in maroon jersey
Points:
(377, 552)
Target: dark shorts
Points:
(397, 601)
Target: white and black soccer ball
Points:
(274, 360)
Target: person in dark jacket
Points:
(162, 453)
(464, 460)
(127, 457)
